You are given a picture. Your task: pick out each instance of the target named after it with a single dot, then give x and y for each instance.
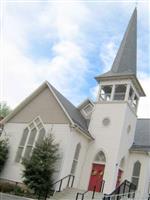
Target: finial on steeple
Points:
(136, 3)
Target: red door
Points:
(96, 177)
(120, 172)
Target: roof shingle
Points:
(142, 135)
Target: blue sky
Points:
(68, 43)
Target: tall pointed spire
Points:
(124, 65)
(126, 59)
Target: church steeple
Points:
(125, 62)
(121, 83)
(126, 59)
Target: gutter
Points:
(79, 129)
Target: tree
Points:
(40, 167)
(4, 109)
(3, 152)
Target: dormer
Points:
(86, 108)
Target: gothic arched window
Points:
(34, 132)
(75, 159)
(136, 173)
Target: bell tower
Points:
(114, 117)
(121, 83)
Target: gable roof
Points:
(142, 136)
(84, 103)
(72, 111)
(69, 109)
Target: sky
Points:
(67, 43)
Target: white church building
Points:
(99, 141)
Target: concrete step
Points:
(70, 194)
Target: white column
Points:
(137, 103)
(132, 100)
(112, 93)
(99, 91)
(127, 92)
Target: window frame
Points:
(101, 157)
(89, 112)
(32, 125)
(116, 94)
(75, 159)
(136, 177)
(105, 96)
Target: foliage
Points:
(4, 109)
(15, 189)
(39, 169)
(10, 188)
(3, 152)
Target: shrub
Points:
(3, 152)
(39, 169)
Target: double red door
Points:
(96, 177)
(120, 172)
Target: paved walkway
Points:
(4, 196)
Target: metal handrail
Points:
(118, 196)
(93, 194)
(68, 183)
(125, 187)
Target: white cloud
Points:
(94, 92)
(66, 26)
(68, 65)
(107, 54)
(19, 79)
(144, 103)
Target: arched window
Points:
(22, 144)
(41, 135)
(34, 132)
(136, 173)
(75, 159)
(100, 157)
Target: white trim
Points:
(98, 94)
(77, 128)
(101, 163)
(87, 113)
(112, 92)
(116, 82)
(28, 136)
(30, 97)
(34, 94)
(130, 77)
(100, 150)
(86, 101)
(127, 92)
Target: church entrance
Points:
(96, 177)
(120, 173)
